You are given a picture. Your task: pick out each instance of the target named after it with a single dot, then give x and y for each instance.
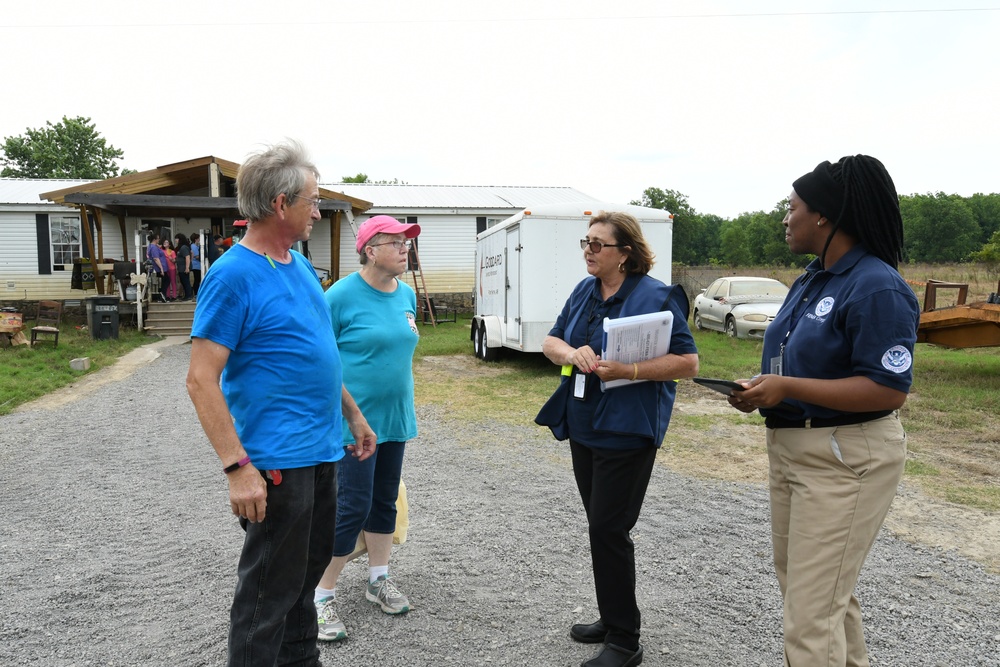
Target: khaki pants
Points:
(830, 491)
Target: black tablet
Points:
(726, 387)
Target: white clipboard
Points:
(634, 339)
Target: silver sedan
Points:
(741, 306)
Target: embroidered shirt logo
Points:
(824, 307)
(897, 359)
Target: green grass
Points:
(27, 373)
(952, 416)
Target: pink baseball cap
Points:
(383, 224)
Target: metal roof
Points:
(27, 190)
(458, 196)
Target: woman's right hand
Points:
(584, 358)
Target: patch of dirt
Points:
(731, 450)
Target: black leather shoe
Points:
(613, 655)
(589, 634)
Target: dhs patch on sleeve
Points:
(897, 359)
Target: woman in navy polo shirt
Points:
(614, 434)
(837, 365)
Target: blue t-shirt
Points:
(195, 256)
(857, 318)
(377, 334)
(282, 381)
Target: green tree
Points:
(990, 254)
(363, 178)
(71, 148)
(986, 208)
(938, 228)
(689, 227)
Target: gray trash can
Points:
(102, 317)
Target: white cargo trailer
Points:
(527, 265)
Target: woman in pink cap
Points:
(374, 316)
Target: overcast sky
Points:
(726, 102)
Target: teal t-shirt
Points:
(282, 380)
(377, 334)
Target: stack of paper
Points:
(634, 339)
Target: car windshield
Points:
(761, 287)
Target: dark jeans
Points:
(367, 493)
(613, 485)
(184, 278)
(196, 281)
(273, 618)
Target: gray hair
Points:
(375, 240)
(278, 169)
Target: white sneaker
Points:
(385, 594)
(331, 628)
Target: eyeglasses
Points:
(398, 245)
(597, 246)
(312, 202)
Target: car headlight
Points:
(755, 317)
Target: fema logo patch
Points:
(824, 307)
(897, 359)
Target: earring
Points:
(621, 267)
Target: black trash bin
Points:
(102, 317)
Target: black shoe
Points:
(589, 634)
(613, 655)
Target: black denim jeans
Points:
(613, 484)
(273, 618)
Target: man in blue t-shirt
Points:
(266, 381)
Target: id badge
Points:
(776, 365)
(579, 386)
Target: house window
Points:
(490, 222)
(65, 238)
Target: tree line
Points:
(938, 228)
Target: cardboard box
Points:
(11, 320)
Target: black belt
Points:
(826, 422)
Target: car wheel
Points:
(731, 327)
(697, 321)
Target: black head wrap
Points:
(821, 192)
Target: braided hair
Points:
(870, 209)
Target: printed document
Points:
(634, 339)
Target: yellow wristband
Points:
(635, 372)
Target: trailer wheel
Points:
(483, 351)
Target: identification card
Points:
(580, 386)
(776, 365)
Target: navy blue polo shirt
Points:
(859, 317)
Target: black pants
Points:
(273, 618)
(613, 485)
(184, 278)
(196, 281)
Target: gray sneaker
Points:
(385, 594)
(331, 628)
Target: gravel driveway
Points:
(118, 548)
